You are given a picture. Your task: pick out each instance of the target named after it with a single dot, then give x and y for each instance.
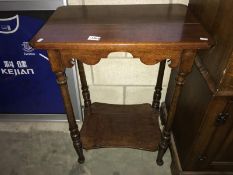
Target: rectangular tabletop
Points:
(162, 26)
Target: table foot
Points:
(163, 145)
(159, 162)
(81, 160)
(75, 135)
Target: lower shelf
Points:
(128, 126)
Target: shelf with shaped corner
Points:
(121, 126)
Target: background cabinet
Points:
(203, 126)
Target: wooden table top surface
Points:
(162, 26)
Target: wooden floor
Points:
(129, 126)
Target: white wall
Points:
(121, 79)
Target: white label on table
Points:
(40, 40)
(204, 39)
(94, 38)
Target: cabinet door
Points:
(226, 84)
(219, 151)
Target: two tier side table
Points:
(151, 33)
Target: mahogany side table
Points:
(153, 33)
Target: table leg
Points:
(73, 127)
(158, 87)
(84, 87)
(187, 59)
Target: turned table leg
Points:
(158, 87)
(84, 87)
(73, 127)
(187, 59)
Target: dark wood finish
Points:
(176, 167)
(158, 87)
(219, 150)
(153, 33)
(150, 32)
(163, 113)
(131, 126)
(194, 101)
(202, 128)
(84, 87)
(185, 68)
(92, 56)
(209, 80)
(217, 17)
(149, 25)
(225, 86)
(73, 127)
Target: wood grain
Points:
(128, 126)
(157, 26)
(152, 33)
(203, 121)
(149, 32)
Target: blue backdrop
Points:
(27, 85)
